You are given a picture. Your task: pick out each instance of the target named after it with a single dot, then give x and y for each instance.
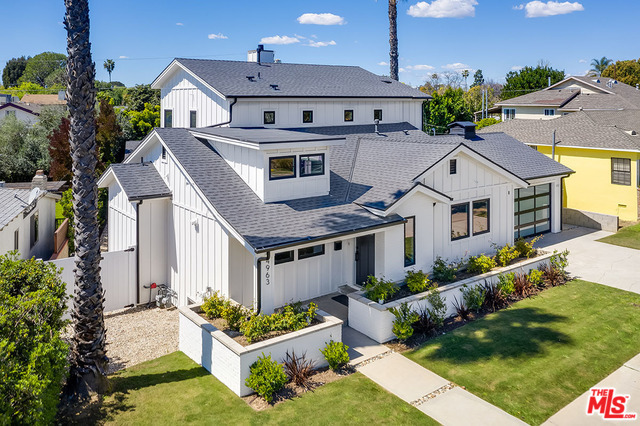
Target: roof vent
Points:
(274, 86)
(386, 81)
(634, 133)
(251, 78)
(466, 129)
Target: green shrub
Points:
(235, 314)
(524, 248)
(417, 281)
(336, 354)
(443, 271)
(505, 254)
(33, 356)
(438, 308)
(293, 317)
(213, 306)
(486, 122)
(506, 283)
(560, 261)
(473, 297)
(256, 327)
(405, 317)
(379, 289)
(535, 276)
(266, 377)
(480, 264)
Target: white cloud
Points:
(123, 57)
(537, 8)
(383, 63)
(420, 67)
(218, 36)
(583, 61)
(180, 24)
(402, 70)
(516, 67)
(443, 9)
(518, 7)
(321, 43)
(279, 40)
(321, 19)
(458, 66)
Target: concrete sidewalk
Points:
(625, 381)
(432, 394)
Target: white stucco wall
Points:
(43, 248)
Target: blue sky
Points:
(493, 35)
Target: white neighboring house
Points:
(270, 215)
(27, 221)
(29, 113)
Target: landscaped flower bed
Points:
(230, 361)
(430, 308)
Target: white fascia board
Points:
(157, 83)
(141, 146)
(436, 196)
(107, 177)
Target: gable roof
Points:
(140, 181)
(28, 108)
(13, 202)
(229, 78)
(42, 99)
(593, 129)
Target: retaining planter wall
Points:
(375, 320)
(229, 361)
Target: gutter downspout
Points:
(553, 147)
(235, 100)
(259, 281)
(138, 251)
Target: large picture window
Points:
(621, 171)
(282, 167)
(312, 251)
(480, 217)
(459, 221)
(410, 241)
(312, 165)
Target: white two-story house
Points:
(278, 194)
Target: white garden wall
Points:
(229, 361)
(375, 320)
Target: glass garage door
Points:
(532, 210)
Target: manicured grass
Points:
(59, 211)
(175, 390)
(540, 354)
(625, 237)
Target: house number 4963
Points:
(267, 276)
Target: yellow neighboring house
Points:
(602, 147)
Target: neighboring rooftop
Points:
(51, 186)
(13, 202)
(251, 79)
(130, 146)
(43, 99)
(556, 98)
(26, 107)
(140, 181)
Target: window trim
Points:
(307, 256)
(374, 114)
(310, 155)
(453, 166)
(626, 174)
(413, 262)
(264, 121)
(295, 174)
(287, 260)
(192, 112)
(312, 113)
(473, 230)
(353, 115)
(164, 118)
(467, 203)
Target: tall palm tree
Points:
(88, 351)
(465, 75)
(393, 39)
(599, 65)
(109, 65)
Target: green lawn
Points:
(59, 211)
(537, 356)
(175, 390)
(625, 237)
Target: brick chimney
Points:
(39, 180)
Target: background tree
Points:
(109, 65)
(465, 75)
(88, 351)
(40, 66)
(136, 125)
(473, 97)
(24, 88)
(599, 65)
(445, 108)
(109, 137)
(60, 152)
(625, 71)
(23, 150)
(478, 79)
(530, 79)
(13, 70)
(136, 97)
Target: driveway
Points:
(594, 261)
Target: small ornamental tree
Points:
(33, 356)
(59, 151)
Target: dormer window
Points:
(269, 117)
(312, 165)
(307, 116)
(282, 167)
(348, 115)
(377, 114)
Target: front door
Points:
(365, 258)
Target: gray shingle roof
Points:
(52, 185)
(556, 97)
(140, 181)
(296, 80)
(575, 129)
(264, 136)
(10, 206)
(130, 146)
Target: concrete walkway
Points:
(625, 381)
(594, 261)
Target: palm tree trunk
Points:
(393, 39)
(88, 351)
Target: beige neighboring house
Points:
(574, 93)
(59, 99)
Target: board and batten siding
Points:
(184, 93)
(247, 162)
(121, 219)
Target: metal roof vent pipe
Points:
(375, 124)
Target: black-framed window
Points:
(337, 246)
(410, 241)
(282, 167)
(269, 117)
(459, 221)
(312, 165)
(34, 225)
(620, 171)
(168, 118)
(377, 114)
(283, 257)
(193, 119)
(348, 115)
(307, 116)
(549, 111)
(453, 166)
(480, 216)
(16, 240)
(307, 252)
